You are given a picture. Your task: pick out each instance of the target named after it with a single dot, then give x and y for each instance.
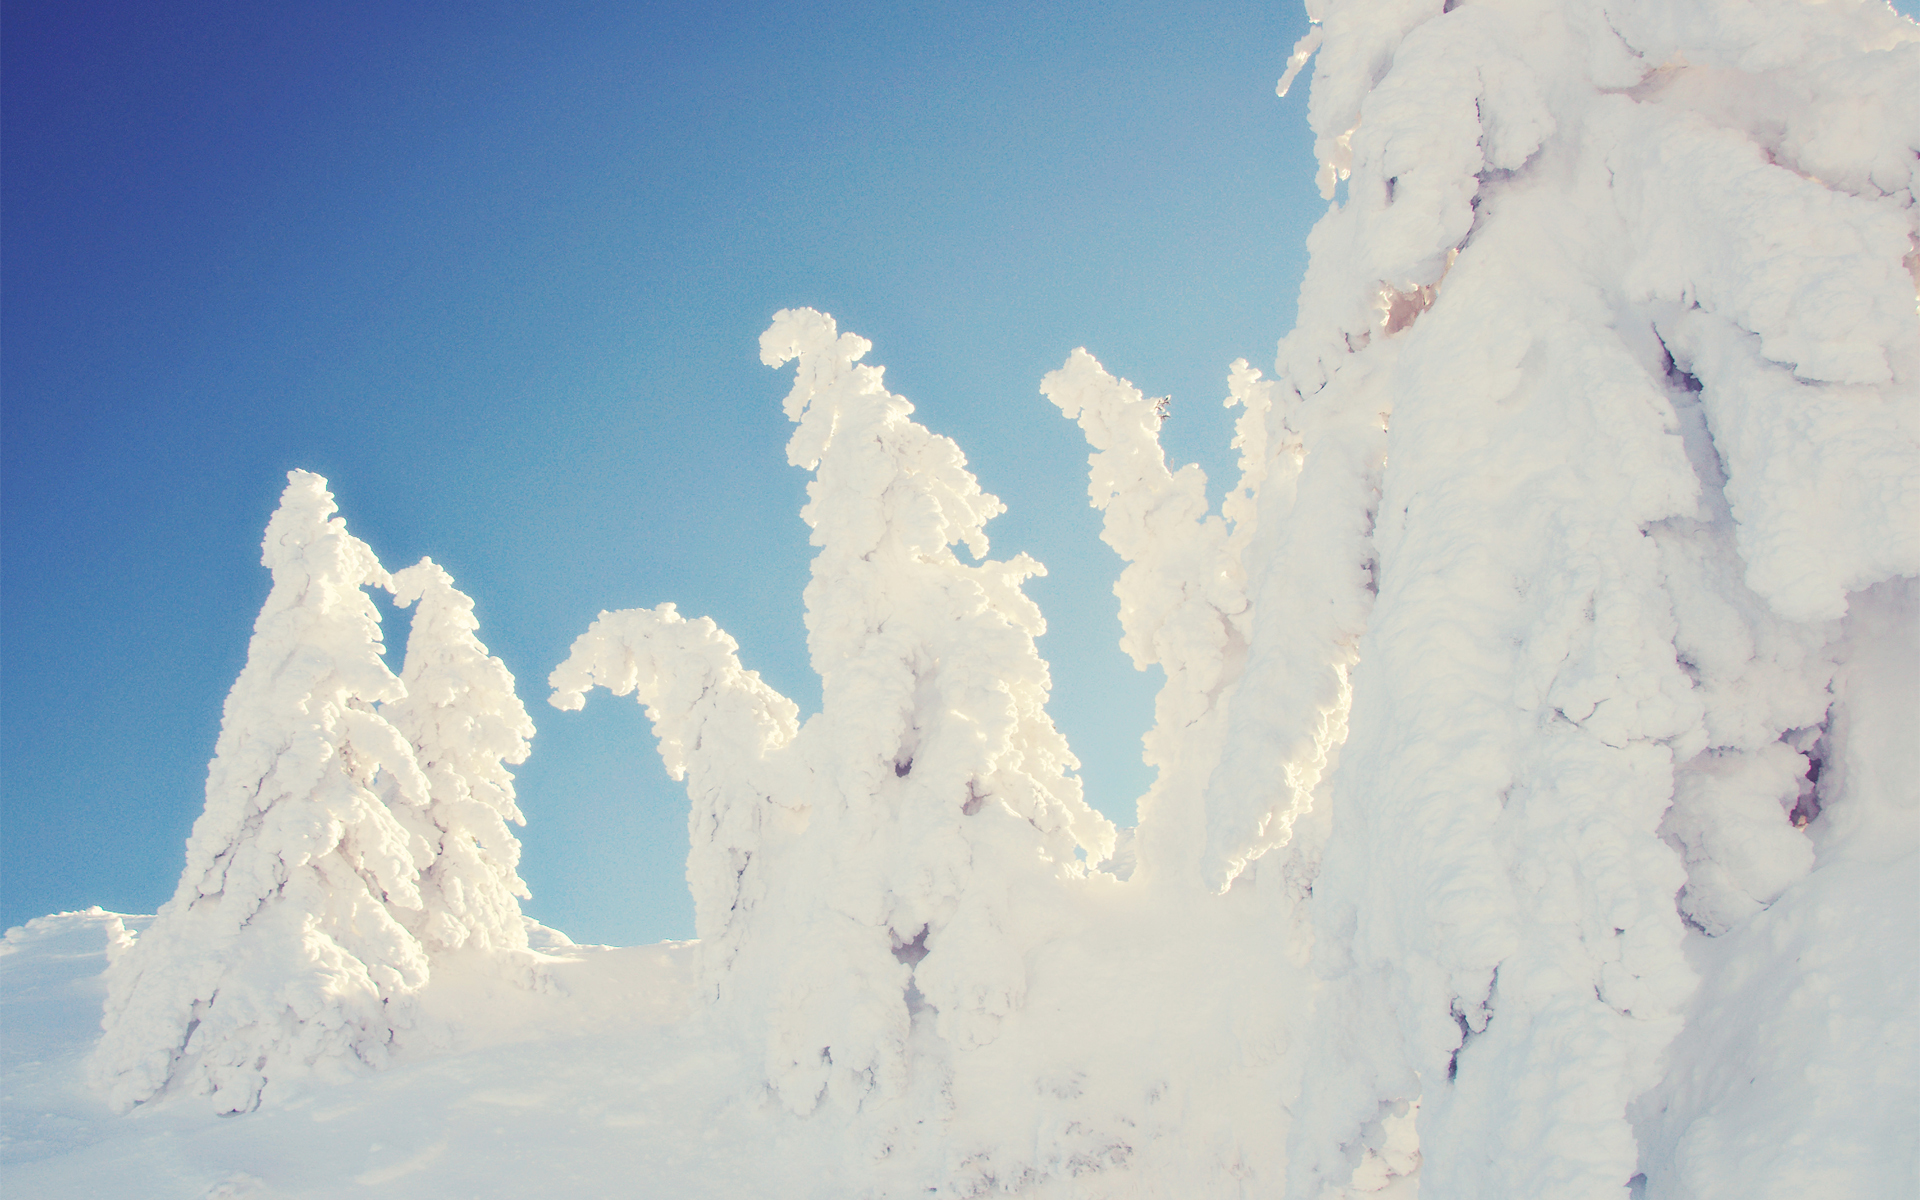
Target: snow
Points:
(584, 1081)
(1536, 810)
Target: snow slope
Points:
(579, 1086)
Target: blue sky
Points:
(498, 272)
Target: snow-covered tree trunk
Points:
(1605, 391)
(461, 717)
(281, 954)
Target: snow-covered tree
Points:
(1183, 595)
(927, 825)
(280, 953)
(461, 717)
(719, 729)
(1604, 390)
(953, 812)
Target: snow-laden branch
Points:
(705, 708)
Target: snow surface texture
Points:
(1538, 796)
(328, 865)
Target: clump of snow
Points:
(1725, 817)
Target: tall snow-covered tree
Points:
(900, 853)
(1605, 394)
(465, 724)
(280, 954)
(953, 783)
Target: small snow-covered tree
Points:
(280, 953)
(461, 717)
(1183, 595)
(719, 729)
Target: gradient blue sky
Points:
(498, 271)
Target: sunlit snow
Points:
(1538, 797)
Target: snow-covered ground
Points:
(1538, 809)
(590, 1083)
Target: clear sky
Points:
(497, 271)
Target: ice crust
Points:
(1536, 811)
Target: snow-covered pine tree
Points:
(1183, 594)
(1605, 387)
(461, 717)
(721, 729)
(279, 954)
(926, 820)
(953, 820)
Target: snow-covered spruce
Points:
(719, 728)
(951, 823)
(1183, 597)
(281, 953)
(1605, 387)
(918, 836)
(461, 717)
